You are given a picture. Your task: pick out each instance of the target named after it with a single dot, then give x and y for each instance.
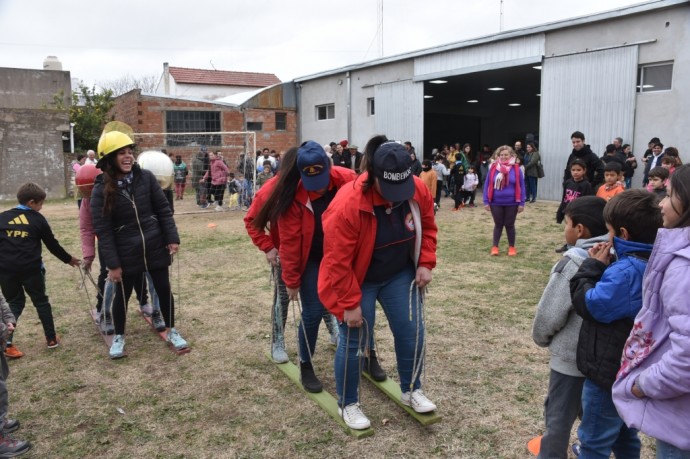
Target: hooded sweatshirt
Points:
(595, 168)
(656, 354)
(556, 324)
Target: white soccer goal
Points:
(231, 144)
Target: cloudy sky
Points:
(103, 40)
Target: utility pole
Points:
(379, 21)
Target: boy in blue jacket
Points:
(557, 325)
(607, 294)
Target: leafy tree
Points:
(89, 112)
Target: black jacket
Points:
(21, 234)
(600, 345)
(595, 168)
(135, 235)
(571, 191)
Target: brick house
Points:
(270, 113)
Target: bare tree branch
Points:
(119, 86)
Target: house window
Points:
(281, 121)
(371, 108)
(325, 112)
(191, 122)
(255, 126)
(655, 77)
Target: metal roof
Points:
(541, 28)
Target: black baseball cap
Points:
(393, 169)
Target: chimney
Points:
(166, 78)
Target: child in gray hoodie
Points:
(557, 325)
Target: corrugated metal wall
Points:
(400, 111)
(591, 92)
(464, 60)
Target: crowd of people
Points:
(344, 229)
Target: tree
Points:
(126, 83)
(89, 113)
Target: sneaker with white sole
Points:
(175, 340)
(418, 401)
(354, 417)
(278, 353)
(157, 321)
(117, 349)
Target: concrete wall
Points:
(31, 151)
(333, 89)
(31, 147)
(202, 91)
(663, 114)
(26, 88)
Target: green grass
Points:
(225, 400)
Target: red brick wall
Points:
(146, 114)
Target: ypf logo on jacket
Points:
(18, 220)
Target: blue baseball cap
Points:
(393, 169)
(314, 166)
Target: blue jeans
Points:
(530, 188)
(394, 296)
(667, 451)
(628, 183)
(602, 430)
(312, 311)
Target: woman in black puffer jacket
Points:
(136, 232)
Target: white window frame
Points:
(330, 112)
(641, 72)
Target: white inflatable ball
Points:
(160, 165)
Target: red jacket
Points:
(349, 226)
(297, 228)
(264, 241)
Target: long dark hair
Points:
(283, 193)
(680, 190)
(368, 160)
(109, 183)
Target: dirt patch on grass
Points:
(225, 399)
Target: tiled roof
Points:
(222, 77)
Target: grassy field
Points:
(225, 399)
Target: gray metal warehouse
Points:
(622, 73)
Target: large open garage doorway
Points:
(493, 107)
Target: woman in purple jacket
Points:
(504, 196)
(652, 389)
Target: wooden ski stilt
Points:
(163, 335)
(325, 400)
(392, 390)
(107, 339)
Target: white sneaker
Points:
(418, 401)
(219, 209)
(353, 417)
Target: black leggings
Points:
(218, 191)
(161, 282)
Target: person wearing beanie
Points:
(379, 244)
(556, 325)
